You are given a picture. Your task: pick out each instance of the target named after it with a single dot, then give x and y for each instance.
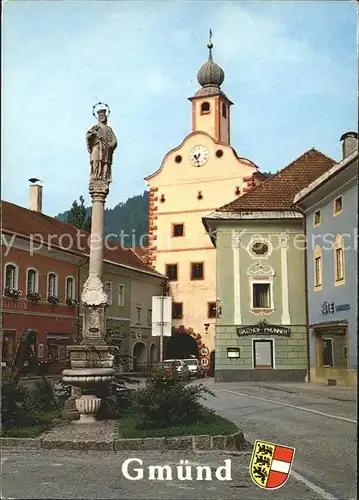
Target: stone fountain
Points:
(91, 362)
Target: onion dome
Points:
(210, 74)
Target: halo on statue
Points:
(100, 104)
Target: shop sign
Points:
(330, 307)
(327, 308)
(263, 328)
(342, 307)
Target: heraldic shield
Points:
(270, 464)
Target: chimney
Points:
(35, 197)
(350, 143)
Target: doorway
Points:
(263, 354)
(328, 351)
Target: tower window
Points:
(178, 159)
(224, 110)
(197, 271)
(177, 230)
(177, 310)
(172, 272)
(212, 310)
(205, 108)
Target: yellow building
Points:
(202, 173)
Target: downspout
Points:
(306, 289)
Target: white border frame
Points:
(36, 280)
(273, 352)
(16, 280)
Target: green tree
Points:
(79, 216)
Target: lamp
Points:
(206, 326)
(233, 352)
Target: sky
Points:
(290, 69)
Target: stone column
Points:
(94, 298)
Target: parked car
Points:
(178, 364)
(195, 368)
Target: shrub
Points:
(17, 407)
(42, 396)
(168, 400)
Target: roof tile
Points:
(51, 231)
(277, 192)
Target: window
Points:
(177, 230)
(138, 314)
(317, 218)
(52, 285)
(263, 353)
(177, 310)
(212, 310)
(318, 271)
(70, 288)
(172, 271)
(108, 291)
(261, 295)
(149, 317)
(224, 110)
(31, 281)
(205, 108)
(197, 271)
(121, 295)
(339, 263)
(11, 276)
(338, 205)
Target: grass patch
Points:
(34, 430)
(210, 424)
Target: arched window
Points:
(31, 281)
(52, 285)
(205, 108)
(11, 276)
(70, 288)
(224, 110)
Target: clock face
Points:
(198, 156)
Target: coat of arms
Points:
(270, 464)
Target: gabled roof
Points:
(277, 193)
(28, 223)
(328, 176)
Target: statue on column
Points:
(101, 143)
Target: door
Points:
(328, 352)
(8, 347)
(263, 353)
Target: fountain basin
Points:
(88, 377)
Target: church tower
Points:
(196, 177)
(210, 105)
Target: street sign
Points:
(161, 316)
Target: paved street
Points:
(323, 430)
(77, 475)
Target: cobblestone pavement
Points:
(52, 474)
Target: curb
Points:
(231, 442)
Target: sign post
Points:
(161, 319)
